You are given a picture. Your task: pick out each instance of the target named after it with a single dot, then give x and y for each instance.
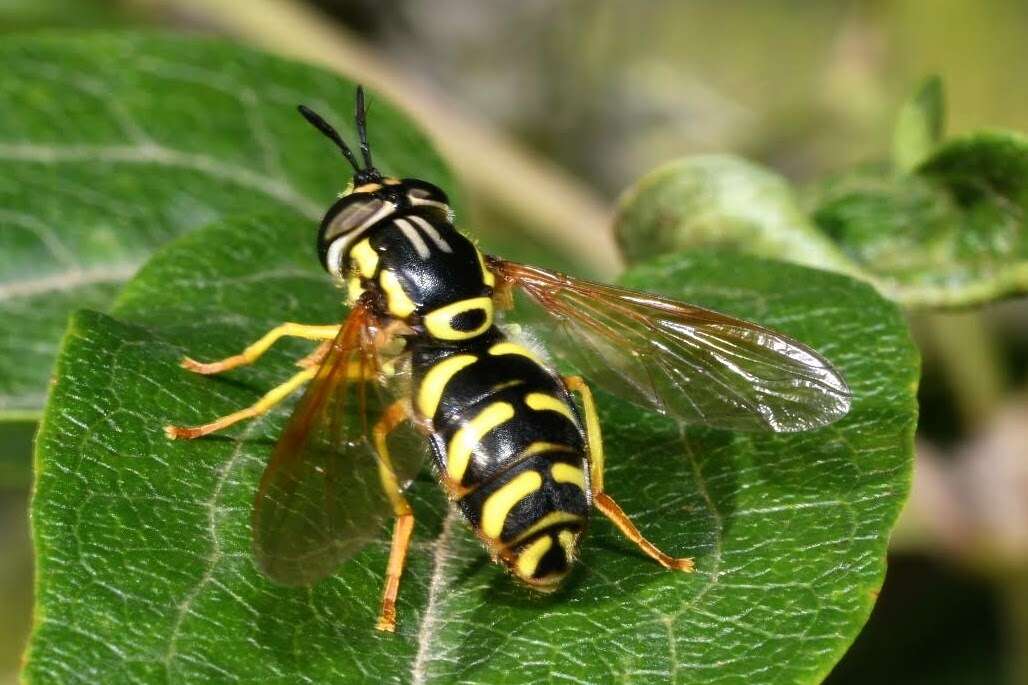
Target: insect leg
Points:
(316, 357)
(609, 508)
(397, 413)
(251, 353)
(604, 502)
(270, 399)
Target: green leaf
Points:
(110, 145)
(953, 233)
(144, 565)
(723, 201)
(919, 126)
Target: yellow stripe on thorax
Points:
(499, 504)
(542, 402)
(434, 384)
(528, 560)
(354, 290)
(366, 258)
(439, 322)
(487, 276)
(400, 304)
(467, 437)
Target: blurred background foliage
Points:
(561, 106)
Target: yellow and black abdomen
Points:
(508, 444)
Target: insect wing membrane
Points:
(691, 363)
(320, 499)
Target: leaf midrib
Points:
(68, 280)
(152, 153)
(440, 557)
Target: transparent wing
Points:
(685, 361)
(320, 499)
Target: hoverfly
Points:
(420, 369)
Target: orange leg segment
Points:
(397, 413)
(261, 406)
(609, 508)
(604, 502)
(397, 557)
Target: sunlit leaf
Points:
(953, 233)
(145, 571)
(946, 225)
(724, 201)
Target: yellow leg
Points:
(273, 397)
(397, 413)
(604, 502)
(251, 353)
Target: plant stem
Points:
(967, 353)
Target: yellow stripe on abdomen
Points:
(554, 518)
(542, 402)
(568, 541)
(528, 560)
(566, 473)
(467, 437)
(507, 347)
(499, 504)
(435, 381)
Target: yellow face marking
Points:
(528, 560)
(543, 402)
(367, 188)
(467, 437)
(366, 258)
(487, 276)
(439, 322)
(499, 504)
(434, 383)
(551, 519)
(566, 473)
(400, 305)
(514, 348)
(354, 290)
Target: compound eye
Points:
(342, 224)
(424, 193)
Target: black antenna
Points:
(326, 128)
(362, 129)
